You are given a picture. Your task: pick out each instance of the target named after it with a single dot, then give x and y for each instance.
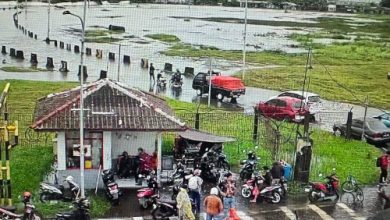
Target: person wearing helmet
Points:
(184, 204)
(251, 155)
(213, 204)
(26, 197)
(195, 186)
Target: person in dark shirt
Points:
(151, 72)
(267, 177)
(277, 171)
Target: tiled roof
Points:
(108, 105)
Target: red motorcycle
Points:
(148, 196)
(319, 191)
(271, 194)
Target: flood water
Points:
(139, 21)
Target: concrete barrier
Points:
(144, 63)
(189, 71)
(76, 49)
(62, 45)
(111, 56)
(99, 53)
(35, 36)
(116, 28)
(55, 43)
(20, 54)
(88, 51)
(47, 40)
(64, 66)
(34, 59)
(168, 67)
(103, 74)
(3, 49)
(126, 59)
(69, 47)
(49, 63)
(12, 52)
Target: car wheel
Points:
(220, 97)
(337, 132)
(198, 92)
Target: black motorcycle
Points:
(111, 187)
(247, 168)
(222, 161)
(80, 213)
(209, 172)
(176, 80)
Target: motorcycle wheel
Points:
(158, 214)
(246, 193)
(276, 198)
(44, 198)
(312, 198)
(143, 203)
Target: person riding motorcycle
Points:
(176, 78)
(251, 155)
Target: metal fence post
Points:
(197, 120)
(349, 124)
(255, 125)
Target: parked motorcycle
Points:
(111, 187)
(318, 191)
(80, 213)
(272, 194)
(209, 172)
(57, 192)
(222, 161)
(247, 168)
(9, 214)
(180, 174)
(148, 196)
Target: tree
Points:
(385, 3)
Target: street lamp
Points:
(81, 98)
(244, 50)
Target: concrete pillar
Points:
(76, 49)
(34, 59)
(189, 71)
(144, 63)
(84, 70)
(126, 59)
(99, 54)
(111, 56)
(68, 47)
(88, 51)
(49, 63)
(168, 67)
(20, 54)
(62, 45)
(103, 74)
(55, 43)
(64, 66)
(12, 52)
(35, 36)
(3, 49)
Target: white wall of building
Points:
(107, 148)
(61, 151)
(131, 141)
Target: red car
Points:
(284, 108)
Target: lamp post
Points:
(82, 153)
(48, 23)
(244, 50)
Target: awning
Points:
(196, 135)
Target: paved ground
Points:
(292, 208)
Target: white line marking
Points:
(320, 212)
(290, 215)
(138, 218)
(351, 212)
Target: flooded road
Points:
(154, 19)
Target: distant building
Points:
(331, 8)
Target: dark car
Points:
(385, 118)
(375, 132)
(284, 108)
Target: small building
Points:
(116, 119)
(332, 8)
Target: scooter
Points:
(80, 213)
(56, 192)
(176, 81)
(161, 80)
(271, 194)
(318, 191)
(247, 168)
(111, 187)
(8, 214)
(148, 196)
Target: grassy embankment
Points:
(16, 69)
(102, 36)
(30, 162)
(168, 38)
(360, 63)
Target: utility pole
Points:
(365, 116)
(210, 70)
(244, 50)
(48, 23)
(119, 62)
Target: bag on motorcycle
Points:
(233, 214)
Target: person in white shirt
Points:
(195, 186)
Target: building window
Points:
(93, 148)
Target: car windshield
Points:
(377, 125)
(314, 99)
(298, 105)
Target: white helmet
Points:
(214, 191)
(69, 178)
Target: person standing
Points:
(151, 72)
(228, 190)
(195, 186)
(213, 205)
(184, 204)
(384, 164)
(277, 172)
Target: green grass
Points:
(168, 38)
(102, 40)
(17, 69)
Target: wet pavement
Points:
(292, 207)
